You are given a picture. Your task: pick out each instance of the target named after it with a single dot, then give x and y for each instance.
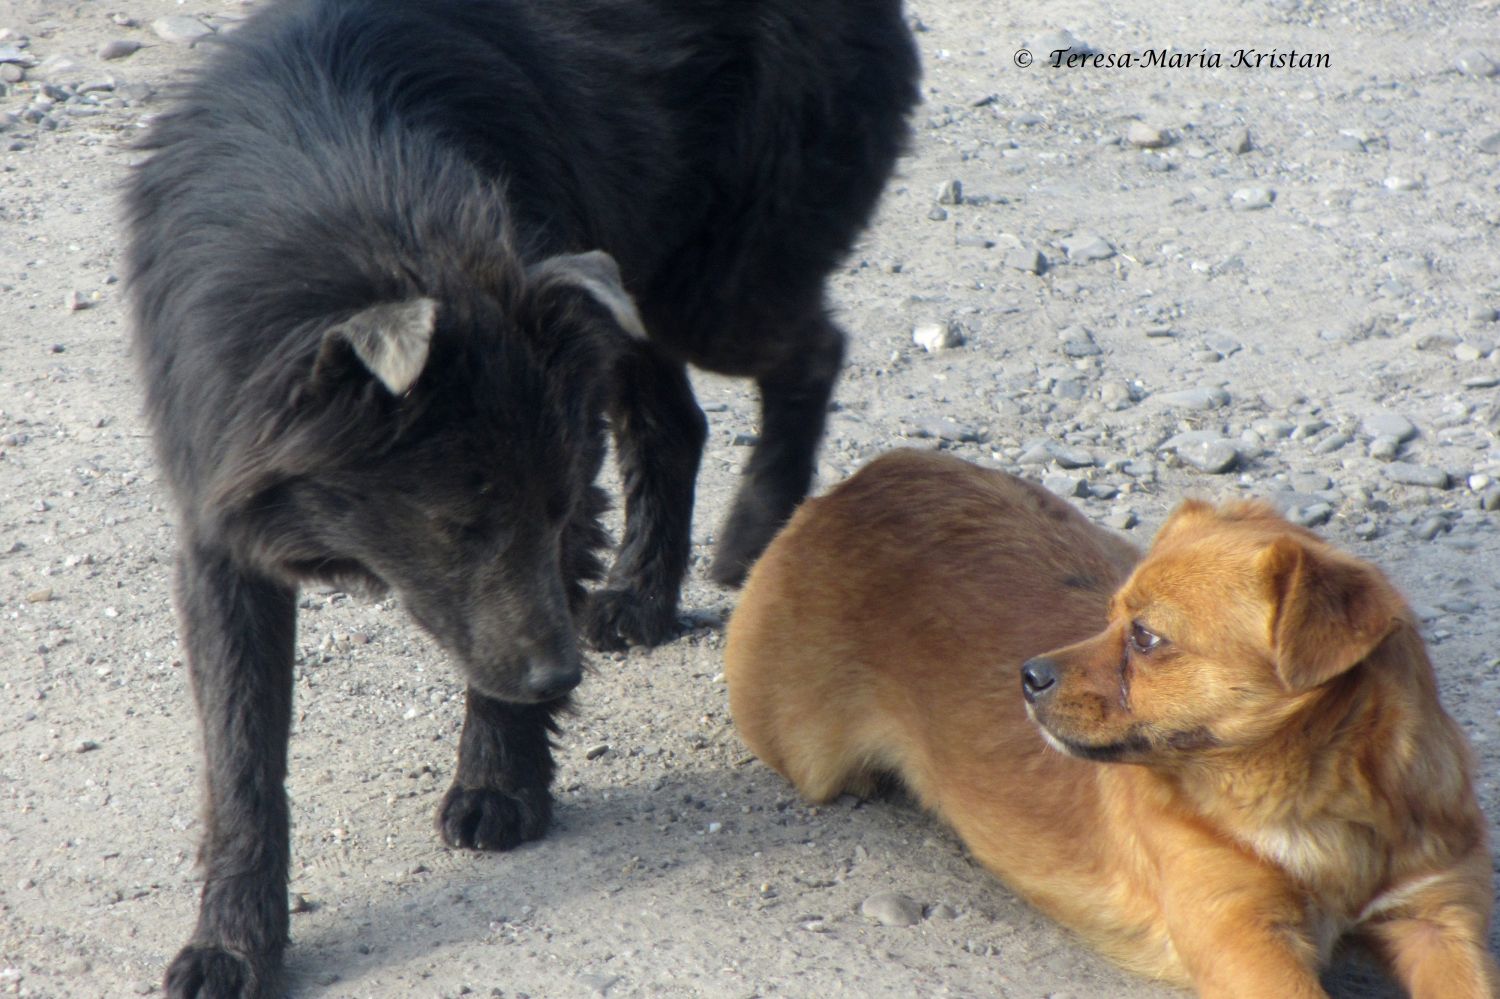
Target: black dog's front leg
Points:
(239, 631)
(659, 434)
(501, 796)
(794, 408)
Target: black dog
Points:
(381, 323)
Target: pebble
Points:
(76, 301)
(1476, 63)
(1208, 397)
(1311, 515)
(1028, 259)
(1144, 136)
(939, 428)
(1250, 199)
(1043, 45)
(594, 752)
(1121, 520)
(1397, 183)
(180, 29)
(935, 337)
(118, 48)
(1490, 144)
(1331, 443)
(1409, 474)
(1078, 342)
(1085, 247)
(1310, 482)
(1066, 486)
(1205, 450)
(1389, 425)
(39, 596)
(1385, 448)
(890, 908)
(1238, 142)
(951, 193)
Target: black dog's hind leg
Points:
(794, 408)
(659, 433)
(501, 795)
(239, 628)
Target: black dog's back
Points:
(373, 258)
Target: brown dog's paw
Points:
(616, 619)
(205, 971)
(482, 818)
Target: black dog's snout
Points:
(547, 683)
(1038, 677)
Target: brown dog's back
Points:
(962, 574)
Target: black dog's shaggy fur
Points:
(379, 343)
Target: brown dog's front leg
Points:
(239, 629)
(1435, 935)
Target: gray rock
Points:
(1409, 474)
(11, 72)
(1115, 395)
(1144, 136)
(1121, 520)
(951, 193)
(1250, 199)
(1331, 443)
(1310, 482)
(1204, 450)
(1489, 499)
(938, 428)
(1085, 247)
(890, 908)
(1311, 515)
(1388, 425)
(118, 48)
(1063, 485)
(1238, 142)
(1028, 259)
(935, 337)
(76, 301)
(1489, 144)
(938, 213)
(1476, 63)
(1398, 183)
(1036, 454)
(1043, 45)
(1273, 429)
(1385, 448)
(1068, 456)
(180, 30)
(1208, 397)
(1078, 342)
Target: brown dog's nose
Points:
(1038, 677)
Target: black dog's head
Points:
(445, 447)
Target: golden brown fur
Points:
(1279, 770)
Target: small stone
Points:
(300, 904)
(1067, 456)
(1063, 41)
(1310, 482)
(1063, 485)
(1208, 397)
(1121, 520)
(1078, 342)
(1409, 474)
(1389, 425)
(1396, 183)
(1250, 199)
(938, 213)
(1476, 63)
(85, 746)
(594, 752)
(1028, 259)
(1384, 448)
(1490, 498)
(118, 48)
(1238, 142)
(1085, 247)
(1273, 429)
(39, 596)
(1115, 395)
(935, 337)
(180, 30)
(1212, 456)
(1144, 136)
(1311, 515)
(951, 193)
(1489, 144)
(942, 910)
(76, 301)
(890, 908)
(1331, 443)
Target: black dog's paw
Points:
(616, 619)
(741, 542)
(482, 818)
(204, 971)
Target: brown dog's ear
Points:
(1329, 613)
(1191, 511)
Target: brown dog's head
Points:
(1224, 630)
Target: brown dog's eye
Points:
(1142, 639)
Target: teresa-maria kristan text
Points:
(1174, 59)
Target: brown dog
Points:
(1248, 762)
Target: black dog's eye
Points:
(1143, 639)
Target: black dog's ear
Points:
(596, 274)
(391, 340)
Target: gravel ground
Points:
(1188, 275)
